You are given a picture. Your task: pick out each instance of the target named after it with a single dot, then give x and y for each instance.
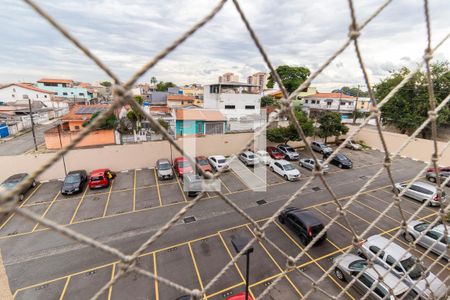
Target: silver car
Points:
(422, 192)
(437, 233)
(249, 158)
(404, 263)
(353, 145)
(164, 169)
(309, 164)
(321, 147)
(350, 265)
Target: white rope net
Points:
(122, 96)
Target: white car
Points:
(264, 157)
(353, 145)
(285, 169)
(309, 164)
(249, 158)
(218, 162)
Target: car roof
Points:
(17, 176)
(440, 228)
(283, 162)
(425, 185)
(284, 145)
(200, 157)
(180, 158)
(76, 172)
(306, 216)
(248, 152)
(218, 156)
(394, 250)
(389, 279)
(162, 160)
(98, 172)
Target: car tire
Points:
(280, 219)
(303, 240)
(285, 177)
(339, 274)
(429, 203)
(321, 152)
(340, 166)
(286, 157)
(33, 184)
(271, 169)
(432, 179)
(408, 237)
(21, 197)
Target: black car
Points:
(303, 223)
(340, 160)
(444, 173)
(13, 181)
(74, 182)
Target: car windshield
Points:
(202, 162)
(184, 164)
(414, 270)
(288, 149)
(288, 167)
(164, 166)
(221, 161)
(421, 227)
(316, 229)
(74, 178)
(96, 178)
(341, 157)
(251, 156)
(9, 185)
(358, 265)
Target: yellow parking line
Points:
(134, 191)
(220, 179)
(225, 290)
(275, 262)
(112, 276)
(78, 206)
(195, 266)
(157, 188)
(46, 211)
(107, 200)
(21, 205)
(63, 293)
(181, 189)
(155, 271)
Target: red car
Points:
(441, 169)
(240, 296)
(100, 178)
(204, 164)
(182, 166)
(274, 153)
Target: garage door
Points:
(214, 128)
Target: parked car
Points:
(321, 147)
(436, 233)
(353, 145)
(100, 178)
(309, 164)
(340, 160)
(74, 182)
(422, 191)
(192, 184)
(404, 263)
(249, 158)
(218, 162)
(444, 173)
(305, 225)
(182, 166)
(240, 296)
(263, 157)
(163, 169)
(12, 181)
(204, 164)
(285, 169)
(274, 153)
(350, 265)
(289, 152)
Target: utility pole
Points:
(356, 104)
(32, 124)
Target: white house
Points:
(336, 102)
(20, 91)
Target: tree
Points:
(153, 80)
(161, 122)
(351, 91)
(105, 83)
(108, 123)
(139, 99)
(291, 77)
(409, 107)
(331, 125)
(267, 101)
(289, 133)
(164, 86)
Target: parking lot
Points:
(195, 256)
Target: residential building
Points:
(228, 77)
(158, 98)
(71, 126)
(199, 122)
(193, 90)
(66, 88)
(364, 104)
(316, 104)
(259, 80)
(13, 92)
(298, 100)
(176, 100)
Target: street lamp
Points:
(239, 244)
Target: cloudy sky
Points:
(126, 34)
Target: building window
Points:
(71, 93)
(81, 94)
(56, 93)
(249, 107)
(14, 90)
(343, 103)
(64, 94)
(306, 101)
(77, 127)
(230, 106)
(313, 101)
(45, 96)
(13, 95)
(24, 96)
(37, 95)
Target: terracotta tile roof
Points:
(53, 80)
(74, 116)
(27, 86)
(178, 97)
(84, 85)
(199, 114)
(164, 109)
(330, 95)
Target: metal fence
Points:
(122, 95)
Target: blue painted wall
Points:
(69, 92)
(189, 127)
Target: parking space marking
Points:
(195, 266)
(155, 271)
(107, 199)
(275, 262)
(78, 206)
(46, 211)
(228, 190)
(181, 189)
(391, 195)
(231, 257)
(65, 287)
(157, 188)
(134, 191)
(112, 276)
(20, 206)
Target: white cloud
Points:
(126, 34)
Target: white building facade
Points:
(20, 91)
(321, 102)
